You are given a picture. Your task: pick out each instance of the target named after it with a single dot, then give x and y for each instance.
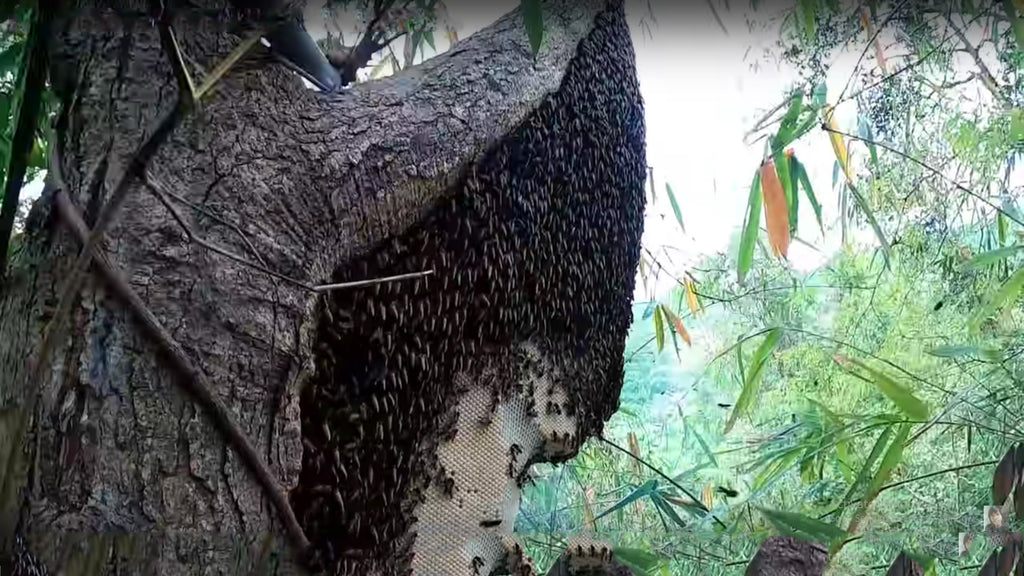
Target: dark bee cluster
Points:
(537, 243)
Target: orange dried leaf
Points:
(677, 325)
(776, 211)
(707, 496)
(879, 56)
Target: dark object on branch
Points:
(296, 49)
(787, 556)
(290, 43)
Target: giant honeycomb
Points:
(431, 397)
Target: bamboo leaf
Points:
(659, 328)
(838, 146)
(703, 445)
(634, 449)
(677, 324)
(675, 206)
(865, 471)
(707, 496)
(809, 10)
(783, 169)
(664, 506)
(533, 18)
(866, 210)
(745, 258)
(691, 297)
(990, 354)
(645, 490)
(753, 377)
(993, 256)
(891, 459)
(803, 527)
(819, 94)
(1016, 24)
(776, 211)
(776, 466)
(1004, 296)
(843, 455)
(588, 510)
(899, 394)
(865, 132)
(641, 562)
(787, 126)
(805, 182)
(714, 12)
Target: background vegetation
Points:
(863, 403)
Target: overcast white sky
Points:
(702, 93)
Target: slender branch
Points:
(926, 166)
(373, 40)
(867, 46)
(191, 378)
(909, 66)
(986, 77)
(155, 189)
(664, 477)
(371, 282)
(54, 332)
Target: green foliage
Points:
(873, 419)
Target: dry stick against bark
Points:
(156, 189)
(160, 193)
(192, 379)
(53, 334)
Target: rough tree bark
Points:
(298, 181)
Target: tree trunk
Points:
(319, 188)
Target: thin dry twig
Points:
(156, 189)
(371, 281)
(161, 194)
(930, 168)
(985, 75)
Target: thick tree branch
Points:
(348, 61)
